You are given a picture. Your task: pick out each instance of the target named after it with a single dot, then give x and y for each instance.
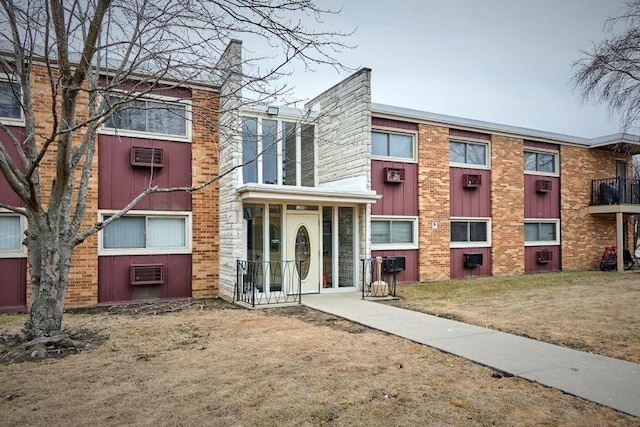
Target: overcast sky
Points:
(504, 61)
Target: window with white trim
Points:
(11, 235)
(10, 99)
(398, 233)
(541, 232)
(147, 233)
(541, 162)
(156, 116)
(393, 145)
(470, 233)
(468, 154)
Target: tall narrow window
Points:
(289, 162)
(269, 152)
(307, 151)
(254, 217)
(327, 247)
(345, 243)
(10, 107)
(249, 150)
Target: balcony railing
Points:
(268, 282)
(615, 191)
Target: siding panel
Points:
(470, 202)
(411, 272)
(13, 286)
(397, 198)
(531, 263)
(458, 270)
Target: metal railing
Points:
(268, 282)
(615, 191)
(375, 282)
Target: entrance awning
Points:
(286, 193)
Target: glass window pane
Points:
(125, 232)
(380, 232)
(307, 146)
(269, 152)
(379, 146)
(346, 254)
(476, 154)
(530, 232)
(289, 165)
(547, 232)
(166, 233)
(401, 146)
(529, 161)
(478, 231)
(249, 149)
(254, 215)
(402, 232)
(457, 152)
(459, 232)
(10, 236)
(546, 163)
(9, 104)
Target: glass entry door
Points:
(303, 235)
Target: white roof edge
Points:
(502, 128)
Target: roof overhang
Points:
(285, 193)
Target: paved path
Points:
(610, 382)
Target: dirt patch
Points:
(282, 367)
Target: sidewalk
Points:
(607, 381)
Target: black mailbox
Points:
(472, 260)
(393, 264)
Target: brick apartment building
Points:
(336, 182)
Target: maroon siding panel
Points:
(411, 272)
(541, 205)
(6, 193)
(114, 278)
(469, 202)
(397, 124)
(468, 134)
(458, 271)
(542, 145)
(119, 182)
(397, 198)
(13, 286)
(531, 265)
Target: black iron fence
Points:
(379, 276)
(615, 191)
(268, 282)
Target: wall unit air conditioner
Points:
(471, 180)
(394, 175)
(147, 274)
(544, 186)
(147, 157)
(544, 256)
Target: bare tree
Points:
(610, 71)
(99, 55)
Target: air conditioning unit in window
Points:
(394, 175)
(147, 274)
(544, 186)
(471, 180)
(147, 157)
(544, 256)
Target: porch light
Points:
(272, 111)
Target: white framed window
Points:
(11, 101)
(12, 228)
(470, 232)
(468, 154)
(541, 162)
(146, 232)
(155, 117)
(541, 232)
(394, 232)
(386, 145)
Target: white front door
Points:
(303, 236)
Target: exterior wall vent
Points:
(147, 157)
(544, 186)
(394, 175)
(147, 274)
(471, 181)
(544, 256)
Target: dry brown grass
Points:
(284, 367)
(591, 311)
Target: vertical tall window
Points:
(254, 217)
(397, 145)
(307, 151)
(289, 161)
(345, 243)
(10, 233)
(249, 150)
(269, 152)
(10, 98)
(327, 247)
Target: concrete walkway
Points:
(607, 381)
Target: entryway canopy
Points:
(325, 194)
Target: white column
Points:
(619, 241)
